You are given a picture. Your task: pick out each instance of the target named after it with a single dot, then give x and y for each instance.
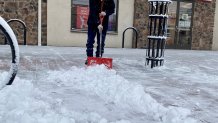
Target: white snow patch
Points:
(2, 78)
(23, 103)
(115, 89)
(196, 75)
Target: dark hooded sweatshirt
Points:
(95, 9)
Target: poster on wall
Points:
(82, 17)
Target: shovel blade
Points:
(98, 61)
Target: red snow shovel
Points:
(99, 60)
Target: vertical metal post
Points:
(39, 22)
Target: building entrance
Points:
(180, 24)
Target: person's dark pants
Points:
(92, 32)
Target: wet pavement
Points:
(188, 78)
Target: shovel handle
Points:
(100, 31)
(101, 19)
(101, 23)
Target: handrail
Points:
(136, 32)
(11, 38)
(24, 27)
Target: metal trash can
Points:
(158, 15)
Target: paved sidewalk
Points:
(188, 79)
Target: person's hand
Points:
(102, 14)
(100, 27)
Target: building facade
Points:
(192, 23)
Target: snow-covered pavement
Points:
(54, 86)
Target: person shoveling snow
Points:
(99, 12)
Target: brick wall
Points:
(141, 21)
(202, 34)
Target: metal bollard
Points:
(158, 10)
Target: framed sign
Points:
(206, 0)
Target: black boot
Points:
(98, 54)
(86, 62)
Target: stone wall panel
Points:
(203, 24)
(141, 21)
(27, 11)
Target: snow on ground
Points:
(24, 103)
(114, 89)
(29, 104)
(54, 86)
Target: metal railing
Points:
(12, 40)
(24, 29)
(136, 33)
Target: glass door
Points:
(172, 23)
(180, 24)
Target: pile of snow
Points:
(113, 88)
(23, 103)
(2, 79)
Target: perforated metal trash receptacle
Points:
(158, 15)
